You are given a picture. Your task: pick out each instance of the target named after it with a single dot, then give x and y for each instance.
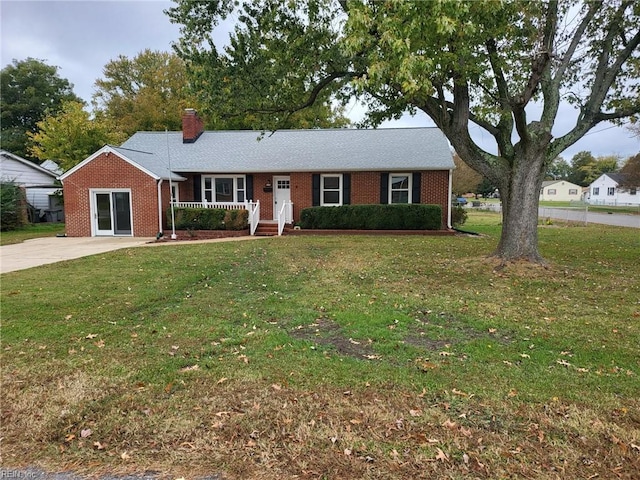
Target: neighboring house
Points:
(125, 190)
(606, 190)
(39, 183)
(560, 191)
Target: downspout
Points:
(449, 226)
(160, 229)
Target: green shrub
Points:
(209, 219)
(12, 207)
(236, 219)
(373, 217)
(458, 216)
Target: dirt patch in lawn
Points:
(327, 333)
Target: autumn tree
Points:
(29, 90)
(71, 135)
(465, 179)
(466, 64)
(631, 173)
(605, 164)
(558, 169)
(146, 93)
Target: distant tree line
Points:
(43, 119)
(582, 169)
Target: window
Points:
(223, 189)
(573, 191)
(331, 190)
(632, 190)
(611, 191)
(595, 191)
(551, 191)
(400, 188)
(174, 193)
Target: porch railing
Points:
(254, 216)
(252, 207)
(285, 215)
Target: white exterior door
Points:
(281, 195)
(111, 212)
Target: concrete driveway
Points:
(41, 251)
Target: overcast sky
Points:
(82, 36)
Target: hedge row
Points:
(209, 219)
(373, 217)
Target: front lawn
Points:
(35, 230)
(380, 357)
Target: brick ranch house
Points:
(126, 190)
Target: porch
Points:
(257, 226)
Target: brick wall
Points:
(109, 171)
(365, 189)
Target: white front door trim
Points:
(281, 194)
(102, 212)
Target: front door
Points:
(281, 195)
(111, 212)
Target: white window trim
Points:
(213, 182)
(611, 191)
(322, 190)
(94, 211)
(409, 187)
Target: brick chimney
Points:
(192, 126)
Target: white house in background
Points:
(39, 183)
(605, 190)
(560, 191)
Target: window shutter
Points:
(346, 189)
(384, 188)
(248, 195)
(315, 189)
(415, 194)
(197, 188)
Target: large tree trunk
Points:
(520, 193)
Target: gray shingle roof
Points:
(328, 150)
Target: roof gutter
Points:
(449, 226)
(160, 229)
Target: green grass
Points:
(330, 357)
(28, 232)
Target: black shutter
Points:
(197, 188)
(384, 188)
(346, 189)
(315, 189)
(415, 194)
(248, 194)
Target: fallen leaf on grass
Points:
(415, 413)
(125, 456)
(190, 368)
(222, 380)
(85, 433)
(99, 445)
(443, 457)
(91, 336)
(449, 424)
